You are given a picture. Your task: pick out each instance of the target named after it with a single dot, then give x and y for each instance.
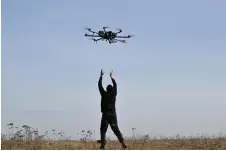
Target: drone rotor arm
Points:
(119, 31)
(91, 35)
(95, 40)
(129, 36)
(90, 30)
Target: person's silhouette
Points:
(109, 117)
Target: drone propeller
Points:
(130, 36)
(119, 30)
(88, 29)
(94, 40)
(105, 28)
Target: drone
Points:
(109, 36)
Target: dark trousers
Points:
(109, 119)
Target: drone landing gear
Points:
(123, 41)
(95, 40)
(116, 40)
(111, 41)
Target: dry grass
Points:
(28, 138)
(192, 143)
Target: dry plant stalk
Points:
(29, 138)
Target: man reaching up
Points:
(109, 117)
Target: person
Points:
(109, 117)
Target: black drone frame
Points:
(109, 40)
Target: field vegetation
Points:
(28, 138)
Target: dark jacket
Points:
(108, 98)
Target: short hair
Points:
(109, 88)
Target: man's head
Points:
(109, 88)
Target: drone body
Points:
(109, 36)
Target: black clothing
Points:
(109, 117)
(108, 98)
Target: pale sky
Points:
(171, 76)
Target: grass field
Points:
(28, 138)
(191, 143)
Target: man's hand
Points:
(111, 74)
(101, 73)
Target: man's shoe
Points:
(101, 147)
(124, 146)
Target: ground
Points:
(165, 144)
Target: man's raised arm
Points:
(114, 84)
(101, 89)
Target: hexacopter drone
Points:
(109, 36)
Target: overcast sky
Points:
(171, 76)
